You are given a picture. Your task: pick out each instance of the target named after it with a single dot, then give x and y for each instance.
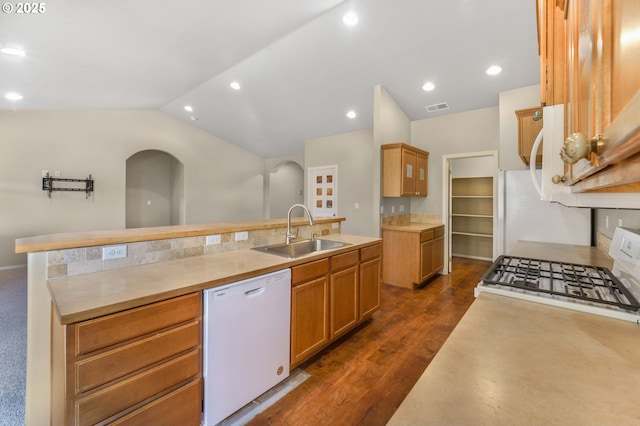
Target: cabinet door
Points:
(421, 175)
(344, 300)
(309, 318)
(369, 287)
(438, 253)
(426, 259)
(408, 172)
(583, 66)
(551, 47)
(604, 93)
(528, 130)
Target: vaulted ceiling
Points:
(300, 69)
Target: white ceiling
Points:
(301, 69)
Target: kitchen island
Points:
(70, 282)
(511, 361)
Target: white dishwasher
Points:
(246, 338)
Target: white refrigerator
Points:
(522, 215)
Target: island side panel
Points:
(38, 381)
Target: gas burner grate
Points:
(582, 282)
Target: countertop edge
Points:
(411, 227)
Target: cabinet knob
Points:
(576, 147)
(557, 179)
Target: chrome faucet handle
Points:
(292, 236)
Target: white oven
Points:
(593, 289)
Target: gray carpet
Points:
(13, 345)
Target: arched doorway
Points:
(286, 183)
(155, 190)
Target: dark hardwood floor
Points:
(363, 378)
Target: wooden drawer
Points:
(116, 328)
(426, 235)
(370, 252)
(117, 363)
(344, 260)
(439, 232)
(110, 401)
(302, 273)
(180, 407)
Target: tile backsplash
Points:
(87, 260)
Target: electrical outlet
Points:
(606, 221)
(401, 208)
(213, 239)
(335, 225)
(393, 209)
(114, 252)
(242, 236)
(620, 222)
(357, 206)
(45, 173)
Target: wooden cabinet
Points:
(138, 366)
(309, 309)
(404, 171)
(370, 277)
(331, 296)
(410, 256)
(344, 292)
(602, 92)
(552, 50)
(472, 217)
(529, 125)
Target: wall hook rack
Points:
(47, 185)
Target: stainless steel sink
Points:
(300, 248)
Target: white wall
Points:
(471, 131)
(390, 125)
(222, 181)
(353, 153)
(509, 102)
(286, 184)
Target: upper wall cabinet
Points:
(529, 125)
(552, 50)
(404, 171)
(602, 93)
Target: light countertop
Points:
(82, 297)
(513, 362)
(583, 255)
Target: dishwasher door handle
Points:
(255, 292)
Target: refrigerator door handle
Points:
(532, 161)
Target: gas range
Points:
(585, 288)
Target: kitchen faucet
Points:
(291, 235)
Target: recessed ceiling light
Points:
(428, 86)
(235, 85)
(13, 96)
(13, 51)
(188, 108)
(350, 19)
(351, 114)
(193, 118)
(494, 70)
